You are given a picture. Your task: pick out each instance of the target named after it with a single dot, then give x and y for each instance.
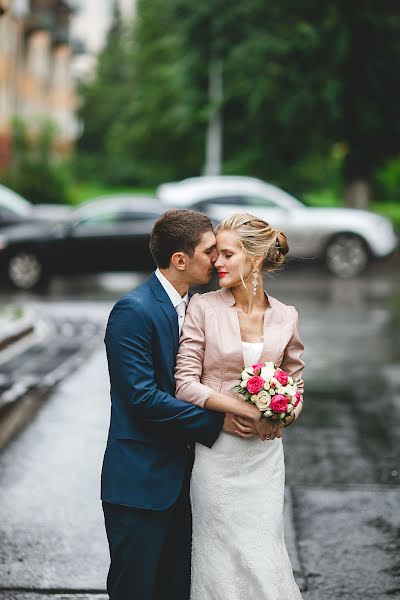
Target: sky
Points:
(90, 24)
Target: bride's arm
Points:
(292, 362)
(189, 366)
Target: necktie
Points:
(181, 311)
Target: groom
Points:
(149, 454)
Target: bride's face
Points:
(232, 261)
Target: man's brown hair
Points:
(177, 231)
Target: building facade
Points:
(35, 70)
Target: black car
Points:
(104, 235)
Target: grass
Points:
(89, 190)
(10, 312)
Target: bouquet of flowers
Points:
(271, 389)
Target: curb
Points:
(13, 332)
(20, 403)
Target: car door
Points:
(132, 240)
(114, 240)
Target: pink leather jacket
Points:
(210, 356)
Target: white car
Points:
(15, 209)
(345, 238)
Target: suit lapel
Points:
(167, 309)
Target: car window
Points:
(259, 201)
(15, 203)
(241, 200)
(220, 200)
(7, 214)
(137, 216)
(116, 217)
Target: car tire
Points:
(346, 255)
(25, 271)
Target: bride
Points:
(237, 486)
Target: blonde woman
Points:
(237, 486)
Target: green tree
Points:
(369, 98)
(158, 128)
(33, 172)
(103, 98)
(306, 87)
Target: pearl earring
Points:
(255, 281)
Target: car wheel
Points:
(346, 255)
(26, 271)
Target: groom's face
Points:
(201, 265)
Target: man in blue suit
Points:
(149, 454)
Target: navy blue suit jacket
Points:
(150, 429)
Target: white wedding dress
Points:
(237, 490)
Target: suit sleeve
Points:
(292, 362)
(129, 353)
(189, 361)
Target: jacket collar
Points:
(157, 289)
(167, 307)
(229, 299)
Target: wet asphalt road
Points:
(342, 457)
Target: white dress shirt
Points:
(179, 303)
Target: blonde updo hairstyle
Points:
(257, 238)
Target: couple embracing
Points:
(193, 480)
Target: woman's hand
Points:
(289, 420)
(268, 429)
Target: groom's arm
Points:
(130, 361)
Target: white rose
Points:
(254, 398)
(290, 380)
(280, 390)
(243, 383)
(263, 400)
(290, 390)
(268, 371)
(272, 391)
(245, 375)
(275, 381)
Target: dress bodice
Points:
(252, 352)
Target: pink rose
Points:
(257, 368)
(281, 376)
(298, 398)
(255, 384)
(279, 403)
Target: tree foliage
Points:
(33, 172)
(304, 84)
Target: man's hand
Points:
(244, 427)
(238, 427)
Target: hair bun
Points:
(281, 242)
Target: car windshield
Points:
(14, 202)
